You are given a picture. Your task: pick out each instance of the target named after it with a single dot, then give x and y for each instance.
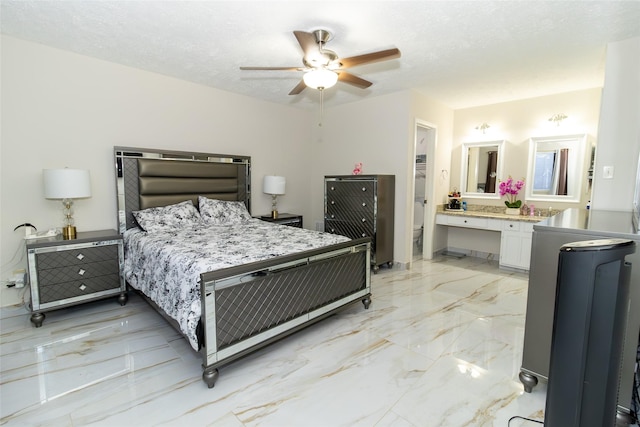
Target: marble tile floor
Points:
(440, 346)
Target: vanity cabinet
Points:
(515, 235)
(515, 244)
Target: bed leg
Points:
(367, 302)
(210, 376)
(123, 298)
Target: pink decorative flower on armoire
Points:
(358, 169)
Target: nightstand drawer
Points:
(61, 291)
(76, 256)
(51, 276)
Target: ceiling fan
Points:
(323, 68)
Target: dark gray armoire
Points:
(359, 206)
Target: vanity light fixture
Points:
(558, 118)
(274, 185)
(67, 184)
(483, 127)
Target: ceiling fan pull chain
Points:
(321, 106)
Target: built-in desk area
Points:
(573, 225)
(486, 233)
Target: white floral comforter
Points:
(166, 266)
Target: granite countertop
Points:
(491, 214)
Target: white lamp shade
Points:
(273, 184)
(66, 183)
(320, 78)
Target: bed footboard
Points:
(247, 307)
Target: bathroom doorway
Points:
(423, 214)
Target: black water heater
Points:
(592, 302)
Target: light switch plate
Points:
(607, 172)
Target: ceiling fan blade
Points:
(368, 58)
(307, 42)
(273, 68)
(349, 78)
(299, 88)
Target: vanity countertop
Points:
(495, 215)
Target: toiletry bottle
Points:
(532, 210)
(464, 206)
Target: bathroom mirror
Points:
(556, 169)
(481, 168)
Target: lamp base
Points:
(274, 214)
(69, 232)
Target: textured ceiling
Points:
(462, 54)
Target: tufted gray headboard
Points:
(148, 178)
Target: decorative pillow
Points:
(216, 212)
(170, 217)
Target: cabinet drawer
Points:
(62, 291)
(511, 225)
(76, 272)
(76, 256)
(460, 221)
(357, 204)
(350, 188)
(349, 229)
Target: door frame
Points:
(430, 187)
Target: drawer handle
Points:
(333, 202)
(465, 221)
(333, 188)
(80, 257)
(511, 225)
(364, 188)
(333, 230)
(364, 204)
(364, 235)
(82, 271)
(364, 220)
(333, 216)
(82, 287)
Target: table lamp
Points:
(273, 185)
(67, 184)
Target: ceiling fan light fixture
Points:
(320, 78)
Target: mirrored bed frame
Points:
(293, 291)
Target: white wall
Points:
(62, 109)
(372, 131)
(427, 110)
(516, 122)
(619, 133)
(379, 132)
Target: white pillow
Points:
(216, 212)
(172, 217)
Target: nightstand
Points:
(292, 220)
(63, 273)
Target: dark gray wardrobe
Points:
(359, 206)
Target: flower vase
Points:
(512, 211)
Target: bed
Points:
(232, 306)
